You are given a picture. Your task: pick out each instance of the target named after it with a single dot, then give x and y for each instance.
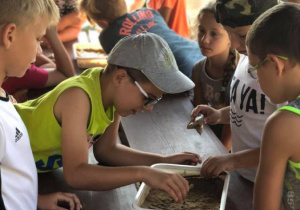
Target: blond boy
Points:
(22, 25)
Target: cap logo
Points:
(242, 6)
(166, 58)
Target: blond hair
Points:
(108, 10)
(25, 12)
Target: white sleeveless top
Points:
(249, 109)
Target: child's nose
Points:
(205, 38)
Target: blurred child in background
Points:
(174, 13)
(116, 22)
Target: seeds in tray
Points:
(205, 194)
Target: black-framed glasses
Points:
(150, 101)
(253, 71)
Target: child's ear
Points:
(279, 63)
(8, 34)
(119, 76)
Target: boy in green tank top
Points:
(86, 110)
(273, 45)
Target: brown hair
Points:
(231, 64)
(228, 73)
(103, 9)
(277, 31)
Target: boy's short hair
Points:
(136, 74)
(150, 54)
(238, 13)
(103, 9)
(25, 12)
(277, 31)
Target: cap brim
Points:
(175, 82)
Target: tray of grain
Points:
(205, 193)
(89, 55)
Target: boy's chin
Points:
(123, 114)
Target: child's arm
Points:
(69, 26)
(165, 12)
(244, 159)
(43, 61)
(106, 148)
(226, 136)
(280, 143)
(72, 110)
(64, 66)
(198, 92)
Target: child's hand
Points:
(211, 115)
(52, 201)
(213, 166)
(51, 37)
(51, 32)
(185, 158)
(174, 184)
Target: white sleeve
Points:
(2, 142)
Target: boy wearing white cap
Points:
(85, 110)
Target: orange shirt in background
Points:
(178, 18)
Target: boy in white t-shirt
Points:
(249, 106)
(22, 25)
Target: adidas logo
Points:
(18, 135)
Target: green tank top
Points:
(291, 187)
(43, 128)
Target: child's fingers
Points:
(171, 193)
(181, 187)
(75, 198)
(71, 199)
(192, 159)
(60, 208)
(195, 112)
(195, 157)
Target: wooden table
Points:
(164, 131)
